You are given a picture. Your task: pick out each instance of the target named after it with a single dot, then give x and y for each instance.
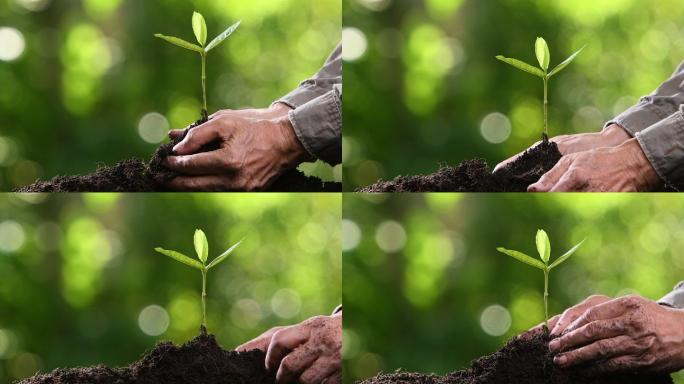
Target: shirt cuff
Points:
(318, 126)
(663, 145)
(306, 92)
(337, 310)
(674, 299)
(638, 118)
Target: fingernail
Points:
(560, 360)
(554, 346)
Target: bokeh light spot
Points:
(390, 236)
(495, 128)
(12, 44)
(495, 320)
(12, 236)
(351, 235)
(33, 5)
(153, 127)
(246, 314)
(354, 44)
(286, 303)
(153, 320)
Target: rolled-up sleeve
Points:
(663, 145)
(320, 84)
(674, 299)
(655, 107)
(318, 126)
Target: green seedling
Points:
(199, 27)
(544, 250)
(202, 250)
(544, 58)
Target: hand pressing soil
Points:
(475, 176)
(201, 360)
(133, 175)
(521, 361)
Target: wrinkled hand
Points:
(611, 136)
(308, 353)
(559, 323)
(624, 168)
(275, 111)
(624, 335)
(253, 152)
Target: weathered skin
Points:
(256, 147)
(308, 352)
(626, 334)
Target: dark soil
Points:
(134, 175)
(521, 361)
(201, 360)
(475, 176)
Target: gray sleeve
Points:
(674, 299)
(320, 84)
(318, 126)
(657, 106)
(663, 145)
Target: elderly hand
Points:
(625, 334)
(624, 168)
(309, 352)
(253, 152)
(613, 135)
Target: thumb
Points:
(197, 138)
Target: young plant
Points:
(544, 250)
(544, 58)
(199, 27)
(202, 250)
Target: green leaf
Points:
(567, 62)
(223, 256)
(543, 246)
(565, 256)
(521, 65)
(541, 49)
(219, 39)
(180, 42)
(199, 26)
(180, 257)
(522, 257)
(201, 245)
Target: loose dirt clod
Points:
(133, 175)
(475, 176)
(201, 360)
(521, 361)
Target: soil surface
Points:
(201, 360)
(521, 361)
(134, 175)
(475, 176)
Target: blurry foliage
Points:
(80, 282)
(91, 69)
(428, 76)
(421, 270)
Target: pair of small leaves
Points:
(202, 250)
(544, 249)
(199, 28)
(544, 59)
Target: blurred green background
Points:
(80, 283)
(421, 77)
(84, 82)
(425, 290)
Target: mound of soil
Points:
(521, 361)
(201, 360)
(134, 175)
(475, 176)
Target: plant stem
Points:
(204, 80)
(204, 298)
(546, 108)
(546, 298)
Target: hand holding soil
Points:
(307, 353)
(624, 168)
(628, 334)
(611, 136)
(252, 152)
